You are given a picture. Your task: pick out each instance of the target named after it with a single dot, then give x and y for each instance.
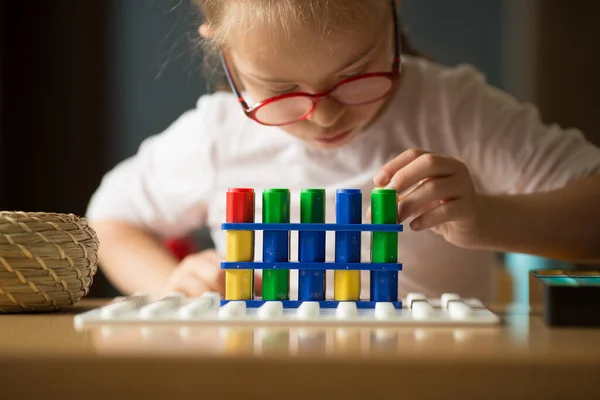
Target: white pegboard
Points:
(450, 310)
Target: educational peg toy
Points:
(276, 228)
(241, 306)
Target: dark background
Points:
(84, 82)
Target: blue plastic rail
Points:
(259, 226)
(317, 266)
(361, 304)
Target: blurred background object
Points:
(84, 82)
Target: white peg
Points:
(161, 307)
(175, 298)
(458, 310)
(421, 310)
(270, 310)
(384, 310)
(446, 297)
(214, 297)
(346, 310)
(141, 298)
(115, 310)
(232, 309)
(194, 309)
(308, 310)
(411, 297)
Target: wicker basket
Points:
(47, 261)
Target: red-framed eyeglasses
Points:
(293, 107)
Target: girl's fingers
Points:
(420, 170)
(189, 285)
(432, 191)
(426, 208)
(445, 211)
(388, 170)
(219, 282)
(206, 268)
(213, 276)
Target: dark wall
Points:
(53, 103)
(155, 67)
(3, 149)
(459, 31)
(53, 109)
(567, 85)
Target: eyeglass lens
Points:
(290, 109)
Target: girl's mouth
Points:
(335, 138)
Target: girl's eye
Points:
(356, 72)
(282, 90)
(353, 74)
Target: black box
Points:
(570, 298)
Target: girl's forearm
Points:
(132, 259)
(562, 224)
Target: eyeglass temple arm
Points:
(232, 84)
(397, 50)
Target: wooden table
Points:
(44, 355)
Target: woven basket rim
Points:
(47, 260)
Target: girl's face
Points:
(267, 64)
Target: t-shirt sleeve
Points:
(507, 146)
(165, 187)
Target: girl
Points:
(325, 98)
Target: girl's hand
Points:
(200, 273)
(196, 274)
(438, 192)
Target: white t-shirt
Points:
(177, 181)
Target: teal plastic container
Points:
(520, 265)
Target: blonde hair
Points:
(226, 16)
(223, 16)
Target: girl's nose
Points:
(326, 113)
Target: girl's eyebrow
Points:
(358, 58)
(355, 60)
(267, 79)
